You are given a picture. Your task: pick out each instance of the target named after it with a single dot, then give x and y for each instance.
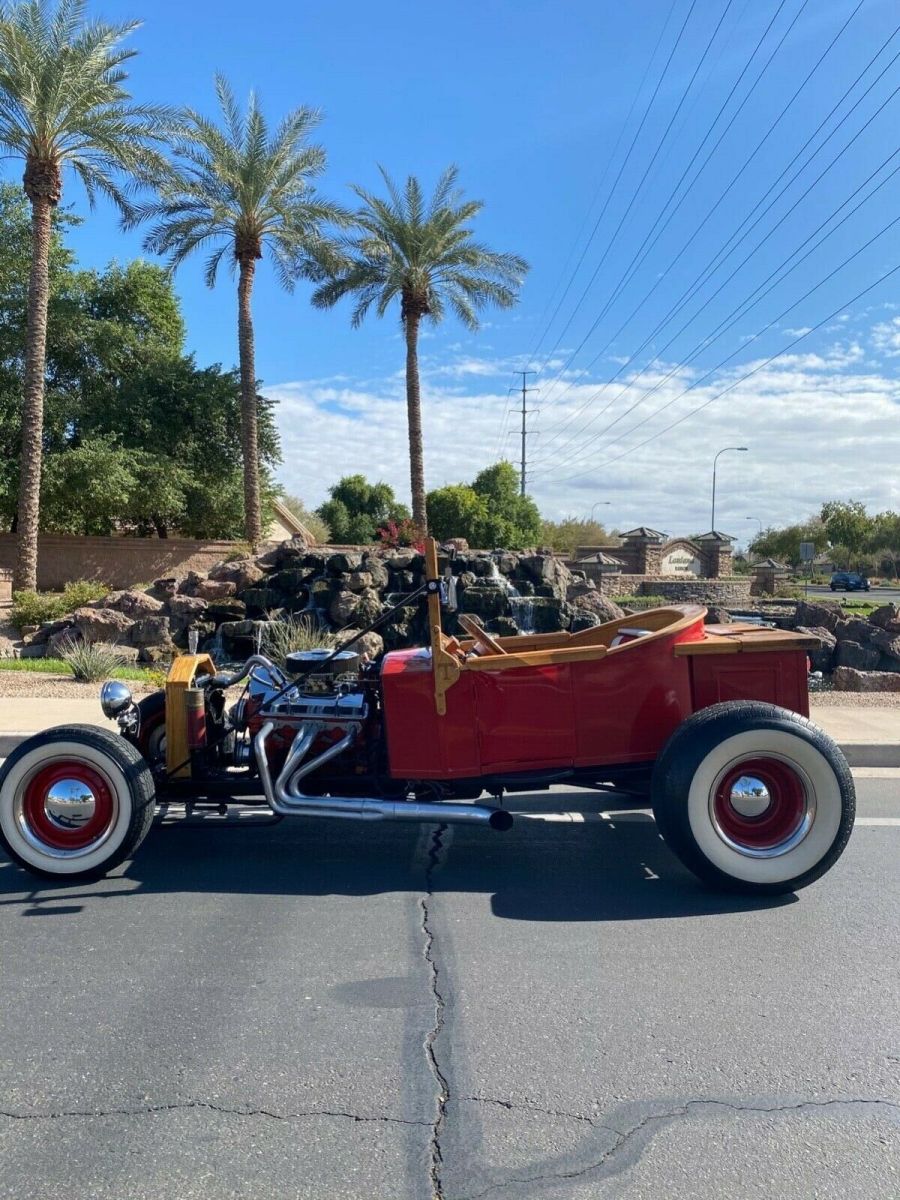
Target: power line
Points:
(635, 265)
(734, 116)
(746, 305)
(622, 168)
(755, 370)
(594, 200)
(713, 265)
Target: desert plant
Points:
(284, 635)
(90, 662)
(421, 253)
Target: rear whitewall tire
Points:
(709, 749)
(104, 755)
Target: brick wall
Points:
(118, 561)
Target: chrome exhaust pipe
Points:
(285, 798)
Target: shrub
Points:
(89, 661)
(401, 533)
(287, 634)
(34, 608)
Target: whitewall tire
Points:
(753, 797)
(75, 802)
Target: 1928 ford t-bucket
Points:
(710, 720)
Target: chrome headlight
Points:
(115, 697)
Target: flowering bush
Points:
(401, 533)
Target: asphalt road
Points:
(331, 1010)
(884, 594)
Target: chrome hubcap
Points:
(70, 803)
(749, 796)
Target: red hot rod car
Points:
(711, 721)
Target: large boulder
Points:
(547, 572)
(369, 607)
(486, 598)
(343, 607)
(360, 580)
(550, 615)
(132, 604)
(716, 615)
(151, 631)
(187, 607)
(853, 654)
(226, 610)
(103, 624)
(887, 617)
(847, 679)
(594, 602)
(375, 567)
(824, 616)
(343, 562)
(242, 572)
(821, 659)
(854, 629)
(215, 589)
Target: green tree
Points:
(784, 544)
(239, 189)
(358, 509)
(62, 103)
(567, 535)
(313, 522)
(848, 524)
(488, 513)
(422, 254)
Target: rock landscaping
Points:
(336, 590)
(862, 653)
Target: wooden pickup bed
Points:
(744, 638)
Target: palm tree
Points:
(62, 103)
(425, 256)
(238, 188)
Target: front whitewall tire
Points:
(76, 749)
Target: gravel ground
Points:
(57, 687)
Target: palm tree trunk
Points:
(249, 414)
(414, 417)
(29, 510)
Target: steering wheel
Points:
(477, 631)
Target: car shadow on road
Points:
(610, 867)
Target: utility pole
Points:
(525, 411)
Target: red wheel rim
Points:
(52, 829)
(760, 821)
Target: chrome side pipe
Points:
(285, 798)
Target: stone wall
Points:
(5, 585)
(119, 561)
(733, 592)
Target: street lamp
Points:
(758, 521)
(724, 450)
(594, 507)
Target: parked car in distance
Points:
(849, 581)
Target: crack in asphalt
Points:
(180, 1105)
(436, 1158)
(625, 1136)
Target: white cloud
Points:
(886, 337)
(819, 426)
(801, 332)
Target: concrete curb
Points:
(858, 754)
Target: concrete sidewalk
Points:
(870, 737)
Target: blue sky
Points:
(530, 99)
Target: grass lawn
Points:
(56, 666)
